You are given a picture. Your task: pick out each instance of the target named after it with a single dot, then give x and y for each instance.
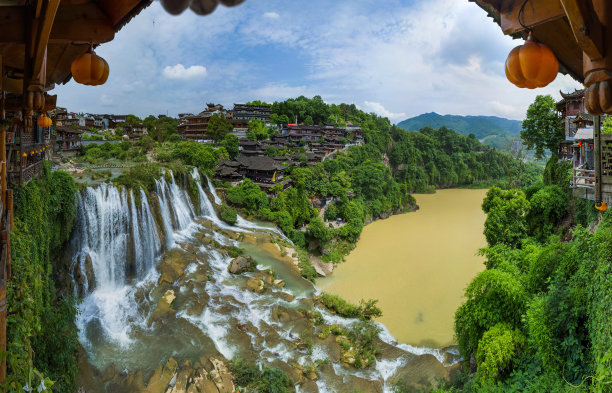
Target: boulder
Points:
(323, 269)
(279, 283)
(222, 377)
(286, 296)
(164, 308)
(241, 264)
(421, 373)
(256, 285)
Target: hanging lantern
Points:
(89, 69)
(602, 207)
(531, 65)
(31, 153)
(24, 155)
(44, 121)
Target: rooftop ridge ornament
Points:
(531, 65)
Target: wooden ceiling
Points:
(55, 32)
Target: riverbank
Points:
(417, 265)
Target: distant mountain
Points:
(491, 130)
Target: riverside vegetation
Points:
(367, 182)
(539, 318)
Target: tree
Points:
(218, 127)
(506, 216)
(308, 120)
(542, 128)
(231, 145)
(257, 131)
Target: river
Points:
(417, 265)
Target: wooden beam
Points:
(536, 12)
(82, 30)
(12, 26)
(42, 37)
(587, 29)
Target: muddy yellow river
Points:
(417, 265)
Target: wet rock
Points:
(164, 308)
(109, 373)
(286, 296)
(202, 383)
(241, 264)
(309, 387)
(306, 303)
(222, 377)
(286, 314)
(294, 370)
(333, 348)
(256, 285)
(173, 264)
(162, 377)
(422, 373)
(89, 273)
(137, 384)
(183, 377)
(323, 269)
(279, 283)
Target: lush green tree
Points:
(546, 208)
(249, 196)
(132, 119)
(257, 131)
(218, 127)
(497, 349)
(542, 128)
(232, 145)
(506, 216)
(492, 297)
(308, 120)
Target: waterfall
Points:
(213, 192)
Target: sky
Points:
(396, 58)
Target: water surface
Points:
(417, 265)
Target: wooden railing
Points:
(583, 178)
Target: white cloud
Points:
(180, 72)
(380, 110)
(271, 15)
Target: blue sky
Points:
(397, 58)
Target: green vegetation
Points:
(228, 214)
(218, 127)
(357, 344)
(543, 129)
(261, 380)
(366, 309)
(357, 184)
(42, 339)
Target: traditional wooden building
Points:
(39, 39)
(135, 131)
(66, 140)
(578, 33)
(251, 112)
(193, 127)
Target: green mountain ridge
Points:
(492, 130)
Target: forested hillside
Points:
(491, 130)
(373, 180)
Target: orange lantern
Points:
(602, 207)
(89, 69)
(44, 121)
(24, 155)
(531, 65)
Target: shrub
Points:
(496, 350)
(228, 214)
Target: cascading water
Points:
(117, 245)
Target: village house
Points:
(66, 140)
(193, 127)
(135, 130)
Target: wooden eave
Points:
(549, 24)
(63, 33)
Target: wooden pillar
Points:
(597, 158)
